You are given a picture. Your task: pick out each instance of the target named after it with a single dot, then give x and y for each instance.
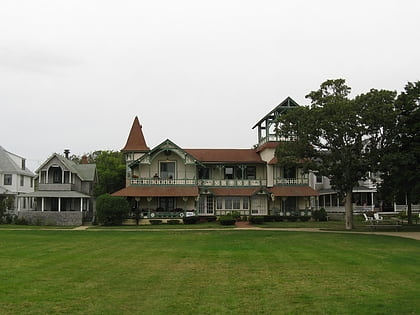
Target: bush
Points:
(111, 210)
(269, 218)
(227, 220)
(320, 215)
(256, 219)
(155, 222)
(173, 222)
(304, 218)
(190, 220)
(211, 218)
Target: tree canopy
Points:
(400, 166)
(338, 137)
(111, 169)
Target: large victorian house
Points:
(170, 181)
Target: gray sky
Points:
(74, 74)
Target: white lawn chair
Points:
(377, 217)
(367, 219)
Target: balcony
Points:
(199, 182)
(291, 181)
(154, 181)
(232, 182)
(55, 187)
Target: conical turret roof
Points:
(135, 141)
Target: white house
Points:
(15, 179)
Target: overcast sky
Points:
(74, 74)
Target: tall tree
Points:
(332, 136)
(111, 169)
(401, 163)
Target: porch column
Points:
(81, 204)
(373, 205)
(62, 175)
(59, 204)
(46, 175)
(18, 203)
(42, 204)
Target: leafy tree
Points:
(336, 137)
(111, 169)
(111, 210)
(401, 163)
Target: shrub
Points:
(190, 220)
(173, 222)
(227, 220)
(278, 218)
(211, 218)
(269, 218)
(155, 222)
(111, 210)
(256, 219)
(20, 221)
(320, 215)
(304, 218)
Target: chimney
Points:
(84, 160)
(66, 153)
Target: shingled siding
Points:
(65, 218)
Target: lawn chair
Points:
(368, 219)
(377, 217)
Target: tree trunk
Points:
(409, 210)
(349, 210)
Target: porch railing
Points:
(154, 181)
(200, 182)
(232, 182)
(291, 181)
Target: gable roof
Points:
(225, 155)
(278, 110)
(136, 141)
(8, 165)
(86, 172)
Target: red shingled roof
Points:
(225, 155)
(135, 141)
(157, 191)
(293, 191)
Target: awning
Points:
(158, 191)
(236, 191)
(293, 191)
(55, 194)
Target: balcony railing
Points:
(56, 187)
(200, 182)
(291, 181)
(158, 181)
(233, 182)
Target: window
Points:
(204, 173)
(167, 170)
(228, 203)
(251, 172)
(228, 172)
(290, 172)
(245, 203)
(219, 203)
(318, 179)
(167, 203)
(57, 175)
(8, 179)
(22, 180)
(236, 202)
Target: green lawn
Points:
(207, 272)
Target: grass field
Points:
(207, 272)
